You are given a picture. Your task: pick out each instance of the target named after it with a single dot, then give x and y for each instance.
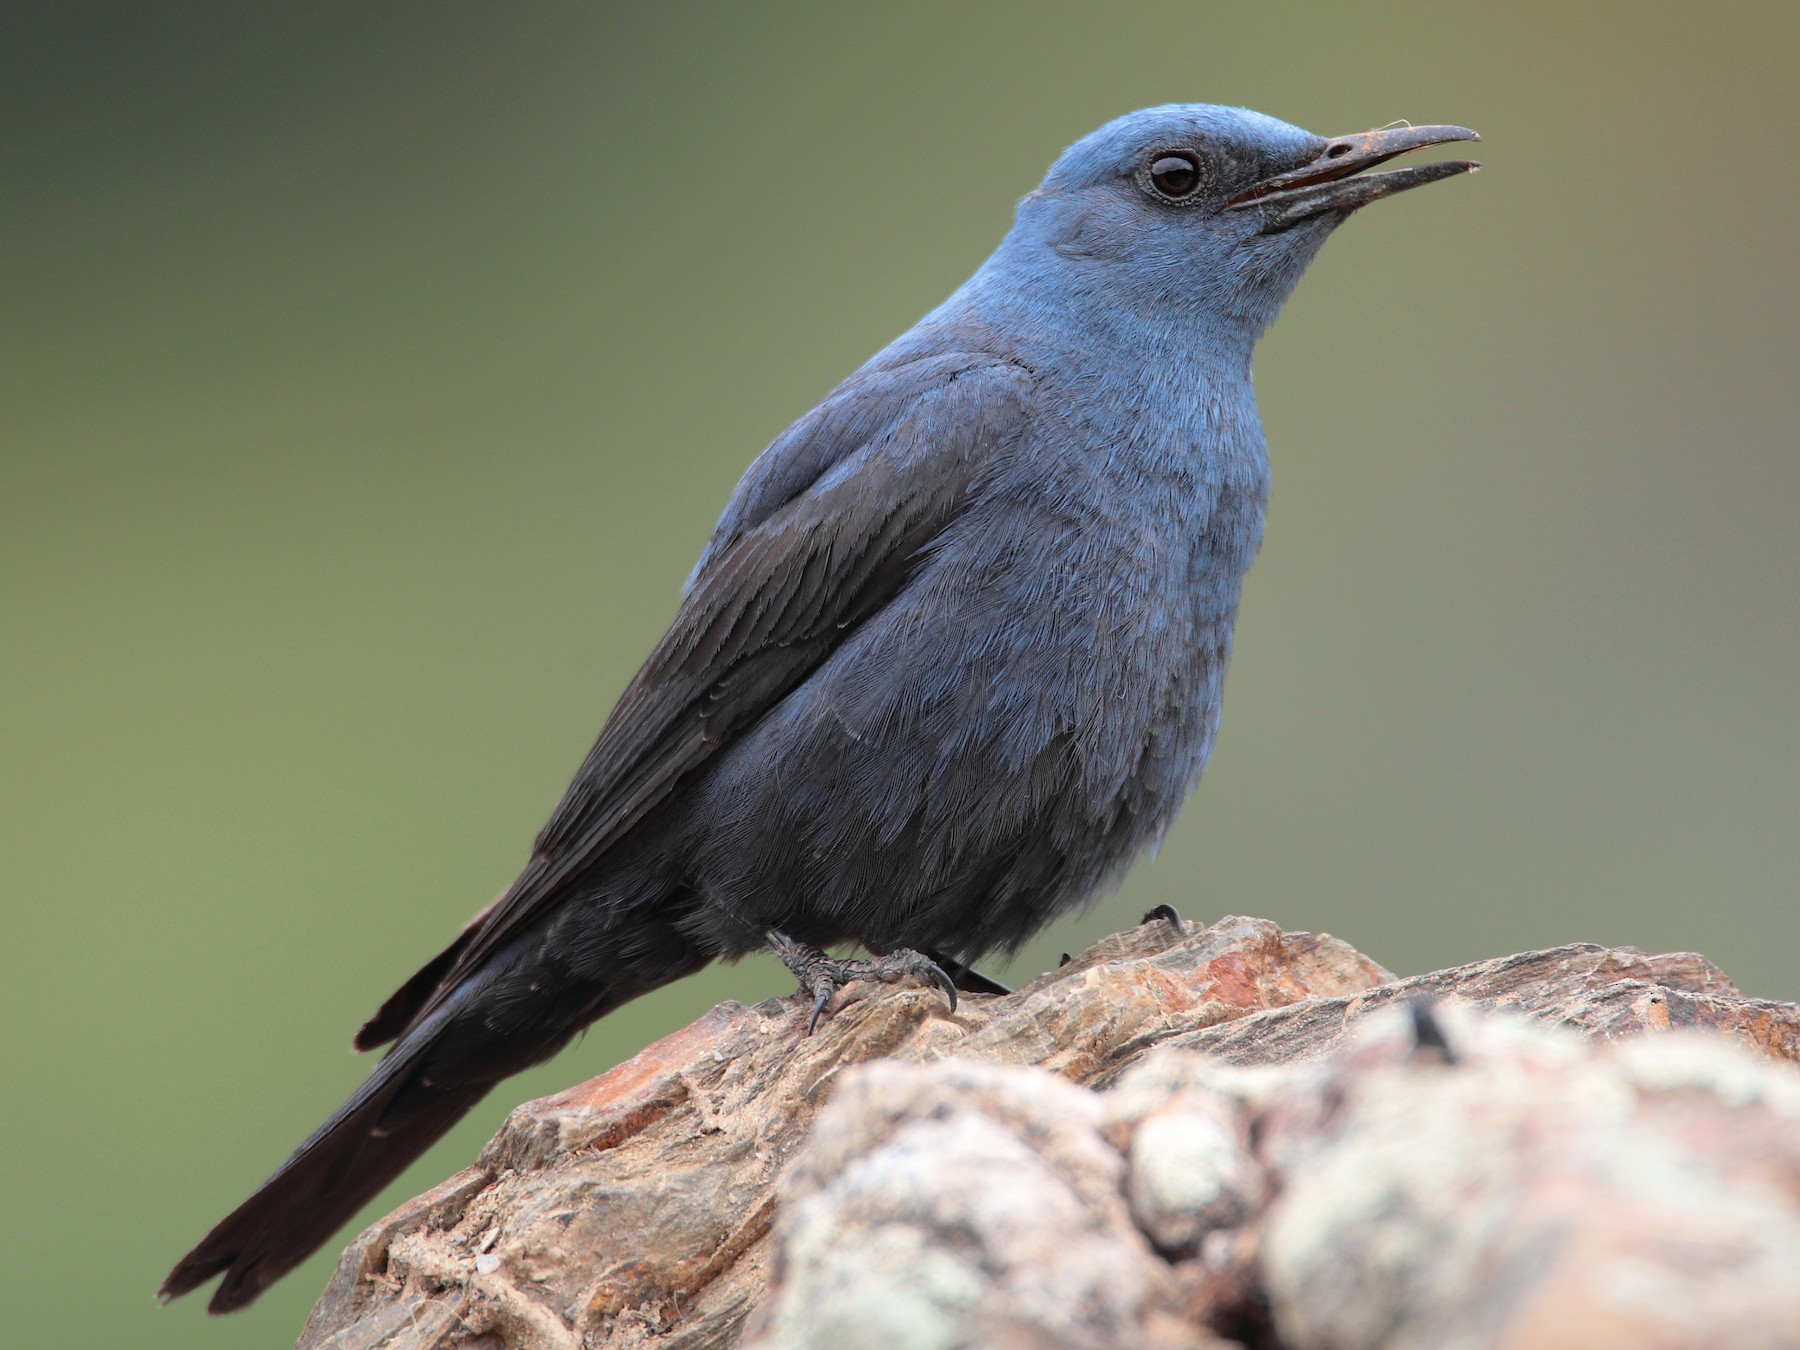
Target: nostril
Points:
(1341, 148)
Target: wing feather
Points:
(818, 538)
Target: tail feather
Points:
(368, 1142)
(518, 1009)
(387, 1123)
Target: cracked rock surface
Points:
(1223, 1135)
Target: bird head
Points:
(1212, 211)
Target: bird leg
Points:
(822, 976)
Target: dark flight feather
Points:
(773, 597)
(769, 604)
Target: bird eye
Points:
(1174, 175)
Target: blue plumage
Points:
(952, 659)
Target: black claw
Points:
(966, 978)
(1167, 913)
(1065, 961)
(819, 1001)
(943, 981)
(1428, 1032)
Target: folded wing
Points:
(824, 530)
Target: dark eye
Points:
(1175, 175)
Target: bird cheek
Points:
(1071, 237)
(1097, 238)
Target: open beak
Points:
(1328, 183)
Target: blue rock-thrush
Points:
(951, 660)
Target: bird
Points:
(950, 661)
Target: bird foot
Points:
(821, 976)
(1167, 913)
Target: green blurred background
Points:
(372, 375)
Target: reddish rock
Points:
(669, 1199)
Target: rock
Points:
(1545, 1191)
(963, 1203)
(1177, 1139)
(1191, 1169)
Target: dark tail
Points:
(388, 1122)
(435, 1073)
(518, 1009)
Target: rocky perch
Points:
(1199, 1138)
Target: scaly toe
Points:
(820, 976)
(906, 964)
